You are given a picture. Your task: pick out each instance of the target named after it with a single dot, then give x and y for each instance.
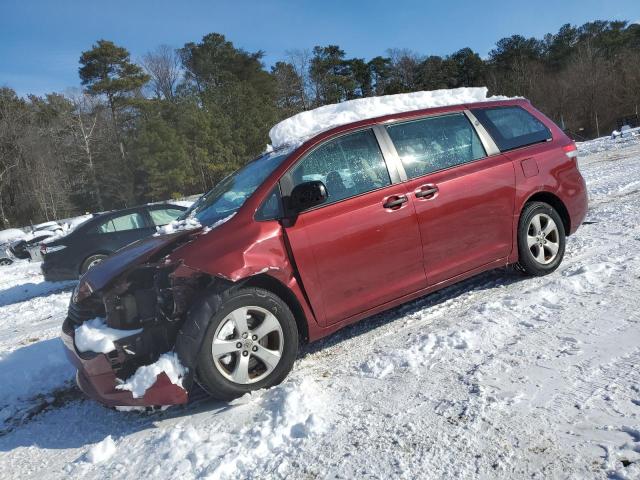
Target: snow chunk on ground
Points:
(307, 124)
(190, 223)
(101, 451)
(147, 375)
(418, 353)
(274, 427)
(95, 336)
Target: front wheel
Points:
(251, 343)
(541, 239)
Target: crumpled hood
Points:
(127, 257)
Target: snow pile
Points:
(11, 234)
(307, 124)
(190, 223)
(146, 376)
(67, 227)
(272, 428)
(289, 415)
(101, 451)
(95, 336)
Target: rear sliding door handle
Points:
(395, 201)
(426, 191)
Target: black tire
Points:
(91, 262)
(207, 373)
(528, 264)
(6, 261)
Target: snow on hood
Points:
(95, 336)
(308, 124)
(145, 376)
(190, 223)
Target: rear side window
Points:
(131, 221)
(512, 127)
(162, 216)
(348, 166)
(435, 143)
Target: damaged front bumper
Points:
(138, 290)
(99, 373)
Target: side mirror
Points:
(307, 195)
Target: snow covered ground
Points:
(497, 377)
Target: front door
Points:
(464, 199)
(362, 247)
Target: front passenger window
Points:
(348, 166)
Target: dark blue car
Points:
(91, 242)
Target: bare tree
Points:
(404, 64)
(300, 59)
(163, 66)
(12, 116)
(85, 118)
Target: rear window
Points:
(162, 216)
(512, 127)
(131, 221)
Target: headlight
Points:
(83, 290)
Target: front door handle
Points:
(395, 201)
(426, 191)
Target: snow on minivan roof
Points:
(304, 125)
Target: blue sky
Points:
(41, 41)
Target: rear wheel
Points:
(541, 239)
(251, 343)
(5, 261)
(91, 262)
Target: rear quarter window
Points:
(512, 127)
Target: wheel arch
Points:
(87, 257)
(267, 282)
(555, 201)
(209, 300)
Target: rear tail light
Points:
(571, 150)
(44, 249)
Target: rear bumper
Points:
(97, 378)
(577, 203)
(53, 272)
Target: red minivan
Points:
(305, 240)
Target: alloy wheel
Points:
(247, 345)
(543, 238)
